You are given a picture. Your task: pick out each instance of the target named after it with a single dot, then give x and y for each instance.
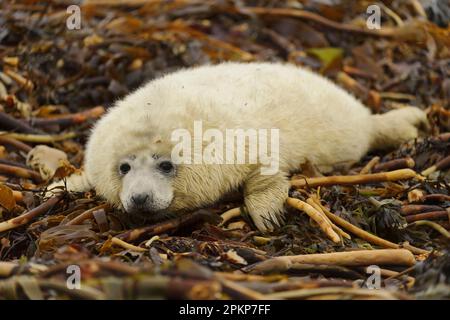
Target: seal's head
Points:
(146, 183)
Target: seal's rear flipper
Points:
(397, 126)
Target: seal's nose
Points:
(139, 199)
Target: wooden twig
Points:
(70, 119)
(169, 225)
(419, 8)
(39, 138)
(127, 245)
(370, 165)
(88, 214)
(339, 291)
(18, 196)
(443, 137)
(433, 225)
(433, 215)
(316, 216)
(391, 273)
(371, 238)
(418, 208)
(392, 14)
(179, 26)
(401, 257)
(338, 230)
(237, 291)
(307, 15)
(402, 174)
(26, 217)
(19, 79)
(7, 268)
(15, 143)
(230, 214)
(435, 197)
(395, 164)
(371, 97)
(9, 123)
(20, 172)
(351, 70)
(440, 165)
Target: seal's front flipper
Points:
(77, 182)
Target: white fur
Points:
(318, 121)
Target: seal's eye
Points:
(166, 166)
(124, 168)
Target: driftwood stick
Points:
(435, 197)
(230, 214)
(370, 165)
(371, 238)
(26, 217)
(316, 216)
(127, 245)
(402, 174)
(169, 225)
(39, 138)
(390, 273)
(312, 203)
(15, 143)
(86, 215)
(20, 172)
(7, 268)
(19, 79)
(433, 225)
(440, 165)
(70, 119)
(395, 164)
(307, 15)
(401, 257)
(338, 291)
(433, 215)
(370, 97)
(443, 137)
(194, 33)
(9, 123)
(418, 208)
(237, 291)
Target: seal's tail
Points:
(397, 126)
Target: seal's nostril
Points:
(139, 199)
